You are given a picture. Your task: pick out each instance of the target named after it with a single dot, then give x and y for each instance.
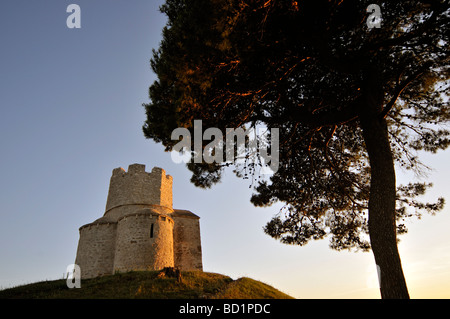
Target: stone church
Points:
(139, 229)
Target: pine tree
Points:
(351, 101)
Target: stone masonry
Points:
(139, 229)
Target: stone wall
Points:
(144, 242)
(139, 187)
(95, 253)
(187, 242)
(120, 211)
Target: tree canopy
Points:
(349, 101)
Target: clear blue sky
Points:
(71, 112)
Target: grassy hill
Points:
(149, 285)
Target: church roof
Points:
(184, 213)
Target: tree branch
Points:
(400, 87)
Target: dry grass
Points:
(149, 285)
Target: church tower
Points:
(139, 230)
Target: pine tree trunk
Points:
(382, 225)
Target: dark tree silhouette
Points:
(350, 103)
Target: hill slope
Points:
(150, 285)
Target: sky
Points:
(71, 111)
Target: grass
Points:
(149, 285)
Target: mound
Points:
(149, 285)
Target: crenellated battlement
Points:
(138, 187)
(140, 169)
